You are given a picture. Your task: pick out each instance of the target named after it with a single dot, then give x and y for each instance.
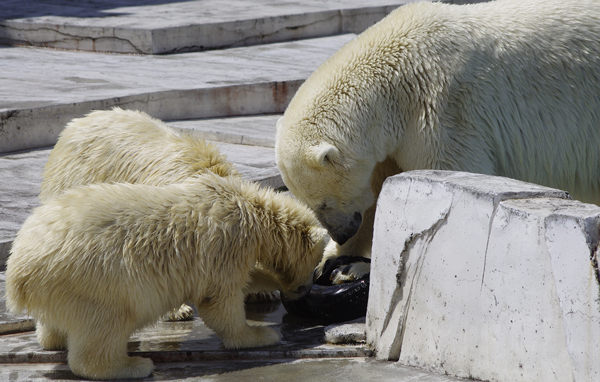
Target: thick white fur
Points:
(508, 87)
(130, 146)
(126, 146)
(98, 262)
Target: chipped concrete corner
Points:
(485, 277)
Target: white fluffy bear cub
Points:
(507, 87)
(130, 146)
(98, 262)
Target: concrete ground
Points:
(128, 53)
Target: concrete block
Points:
(485, 277)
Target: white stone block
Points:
(485, 277)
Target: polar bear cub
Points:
(130, 146)
(98, 262)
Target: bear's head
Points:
(327, 175)
(296, 278)
(335, 130)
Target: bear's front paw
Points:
(344, 269)
(137, 367)
(103, 368)
(349, 273)
(254, 336)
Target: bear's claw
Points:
(183, 313)
(349, 273)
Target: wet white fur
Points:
(98, 262)
(508, 87)
(130, 146)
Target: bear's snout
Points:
(342, 233)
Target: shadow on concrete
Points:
(176, 371)
(22, 9)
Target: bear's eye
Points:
(322, 206)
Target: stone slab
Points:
(485, 277)
(254, 163)
(50, 87)
(21, 176)
(159, 27)
(351, 332)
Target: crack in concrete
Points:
(580, 313)
(425, 236)
(69, 37)
(497, 201)
(259, 38)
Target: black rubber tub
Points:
(333, 303)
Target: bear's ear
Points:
(323, 153)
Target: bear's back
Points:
(126, 146)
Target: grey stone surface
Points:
(164, 26)
(50, 87)
(352, 332)
(21, 175)
(357, 369)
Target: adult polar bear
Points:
(509, 88)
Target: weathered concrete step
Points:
(49, 88)
(245, 130)
(485, 277)
(168, 27)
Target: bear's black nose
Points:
(341, 234)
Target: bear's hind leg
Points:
(50, 338)
(227, 317)
(96, 355)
